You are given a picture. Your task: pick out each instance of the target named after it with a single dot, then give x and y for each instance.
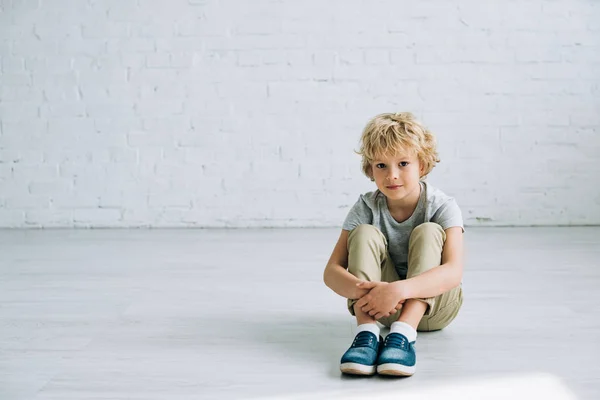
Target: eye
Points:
(378, 165)
(404, 163)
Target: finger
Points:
(362, 302)
(367, 308)
(371, 310)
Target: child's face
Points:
(398, 175)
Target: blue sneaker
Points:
(361, 357)
(397, 357)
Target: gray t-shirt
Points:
(433, 206)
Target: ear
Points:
(421, 167)
(370, 171)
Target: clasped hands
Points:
(382, 299)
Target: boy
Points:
(399, 258)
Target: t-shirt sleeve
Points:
(360, 213)
(448, 215)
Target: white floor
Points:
(204, 314)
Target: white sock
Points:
(373, 328)
(404, 329)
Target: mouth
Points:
(394, 187)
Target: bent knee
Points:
(365, 232)
(428, 227)
(364, 228)
(427, 232)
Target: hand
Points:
(401, 290)
(360, 293)
(381, 301)
(399, 305)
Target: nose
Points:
(393, 174)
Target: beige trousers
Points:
(368, 259)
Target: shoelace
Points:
(363, 339)
(396, 340)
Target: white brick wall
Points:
(245, 113)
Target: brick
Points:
(181, 60)
(131, 45)
(157, 93)
(21, 94)
(49, 218)
(114, 125)
(12, 218)
(62, 94)
(159, 109)
(538, 54)
(34, 47)
(377, 57)
(139, 217)
(111, 109)
(12, 64)
(472, 55)
(50, 187)
(113, 76)
(169, 200)
(158, 60)
(257, 26)
(54, 29)
(71, 201)
(16, 112)
(584, 119)
(581, 54)
(122, 199)
(96, 216)
(26, 202)
(123, 91)
(63, 110)
(15, 79)
(132, 60)
(106, 29)
(143, 139)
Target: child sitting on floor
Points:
(399, 258)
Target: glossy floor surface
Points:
(206, 314)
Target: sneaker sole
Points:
(395, 369)
(357, 369)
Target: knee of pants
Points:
(428, 229)
(425, 248)
(442, 318)
(429, 232)
(365, 231)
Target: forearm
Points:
(434, 282)
(338, 279)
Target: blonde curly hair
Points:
(386, 134)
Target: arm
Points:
(336, 275)
(440, 279)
